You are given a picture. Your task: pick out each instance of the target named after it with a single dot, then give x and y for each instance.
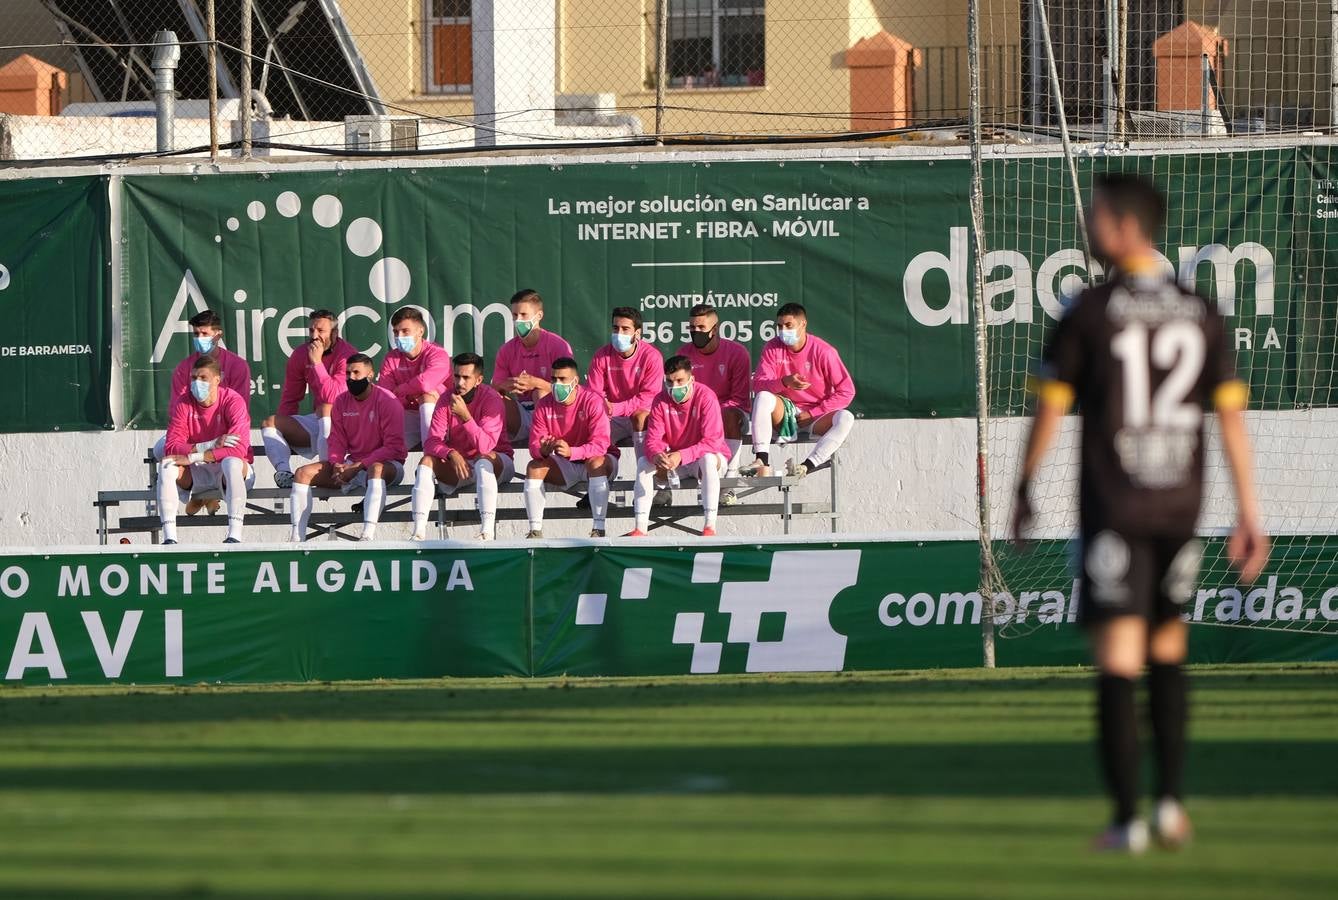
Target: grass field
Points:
(942, 784)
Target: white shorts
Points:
(358, 485)
(311, 424)
(508, 472)
(207, 477)
(695, 469)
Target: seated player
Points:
(466, 444)
(726, 368)
(627, 374)
(415, 370)
(366, 450)
(569, 443)
(320, 366)
(525, 363)
(799, 375)
(208, 447)
(684, 437)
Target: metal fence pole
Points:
(244, 109)
(661, 63)
(212, 51)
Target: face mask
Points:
(562, 392)
(468, 397)
(701, 338)
(524, 327)
(789, 336)
(358, 386)
(406, 342)
(202, 343)
(679, 392)
(199, 389)
(621, 342)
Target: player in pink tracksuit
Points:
(569, 443)
(415, 370)
(684, 436)
(726, 368)
(466, 444)
(523, 370)
(366, 449)
(808, 371)
(627, 373)
(319, 367)
(207, 447)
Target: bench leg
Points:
(785, 509)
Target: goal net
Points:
(1253, 195)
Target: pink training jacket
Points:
(484, 431)
(370, 430)
(189, 423)
(325, 381)
(630, 384)
(728, 371)
(830, 387)
(236, 374)
(514, 357)
(406, 378)
(583, 424)
(693, 428)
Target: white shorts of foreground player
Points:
(706, 470)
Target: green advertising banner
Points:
(582, 608)
(55, 347)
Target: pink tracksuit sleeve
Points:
(649, 384)
(234, 417)
(597, 425)
(770, 368)
(436, 369)
(178, 441)
(705, 425)
(390, 423)
(480, 433)
(295, 381)
(840, 386)
(434, 444)
(738, 395)
(656, 441)
(539, 428)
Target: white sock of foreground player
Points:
(599, 501)
(827, 445)
(277, 450)
(323, 440)
(764, 404)
(535, 494)
(641, 497)
(486, 481)
(425, 420)
(299, 510)
(372, 501)
(709, 473)
(234, 493)
(170, 498)
(735, 450)
(424, 492)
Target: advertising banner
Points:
(585, 608)
(55, 345)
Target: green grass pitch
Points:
(959, 784)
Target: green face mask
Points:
(524, 327)
(679, 392)
(562, 392)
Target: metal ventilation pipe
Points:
(166, 55)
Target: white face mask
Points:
(789, 337)
(199, 389)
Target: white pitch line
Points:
(742, 262)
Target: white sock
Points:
(425, 420)
(323, 440)
(424, 492)
(372, 501)
(535, 492)
(827, 444)
(299, 509)
(485, 480)
(639, 444)
(641, 497)
(708, 470)
(277, 450)
(599, 501)
(735, 450)
(170, 498)
(234, 493)
(764, 404)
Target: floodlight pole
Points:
(662, 63)
(244, 107)
(212, 51)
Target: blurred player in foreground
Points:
(1143, 358)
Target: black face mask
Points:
(469, 397)
(701, 338)
(358, 386)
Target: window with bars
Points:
(448, 47)
(717, 43)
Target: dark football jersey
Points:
(1144, 358)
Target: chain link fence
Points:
(83, 78)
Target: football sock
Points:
(277, 450)
(1168, 690)
(1118, 729)
(534, 502)
(599, 500)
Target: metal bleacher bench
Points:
(268, 506)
